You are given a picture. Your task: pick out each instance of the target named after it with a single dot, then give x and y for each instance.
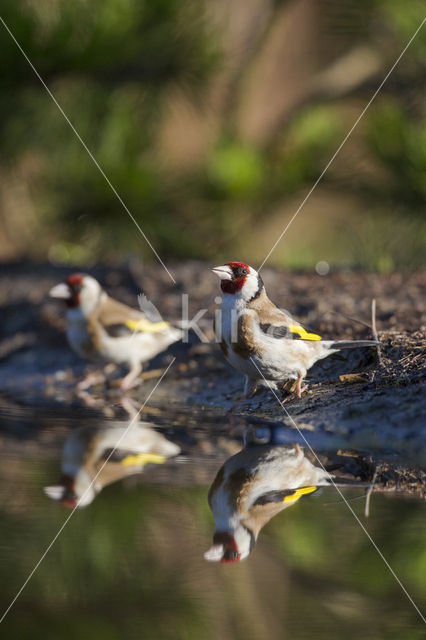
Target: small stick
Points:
(351, 318)
(151, 373)
(369, 492)
(373, 328)
(326, 504)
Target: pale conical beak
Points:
(55, 492)
(61, 290)
(224, 272)
(215, 553)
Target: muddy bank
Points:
(380, 414)
(205, 440)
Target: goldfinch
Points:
(262, 341)
(86, 450)
(99, 327)
(252, 487)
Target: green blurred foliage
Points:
(398, 141)
(113, 67)
(405, 18)
(310, 136)
(235, 172)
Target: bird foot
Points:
(126, 385)
(90, 380)
(129, 406)
(89, 401)
(296, 394)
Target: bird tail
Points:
(353, 344)
(342, 483)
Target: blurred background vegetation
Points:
(212, 120)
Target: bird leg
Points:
(300, 388)
(90, 401)
(92, 378)
(130, 381)
(130, 407)
(297, 390)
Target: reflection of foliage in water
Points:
(131, 564)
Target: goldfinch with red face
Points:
(99, 327)
(86, 450)
(260, 340)
(252, 487)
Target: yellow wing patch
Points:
(147, 326)
(298, 493)
(141, 459)
(305, 335)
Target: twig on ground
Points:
(374, 330)
(351, 318)
(369, 492)
(326, 504)
(151, 373)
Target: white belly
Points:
(136, 347)
(277, 360)
(126, 349)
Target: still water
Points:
(130, 563)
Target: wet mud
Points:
(368, 424)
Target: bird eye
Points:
(245, 271)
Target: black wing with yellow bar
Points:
(287, 495)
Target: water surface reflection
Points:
(132, 562)
(253, 486)
(94, 457)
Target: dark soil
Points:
(373, 420)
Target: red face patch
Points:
(243, 265)
(231, 553)
(69, 503)
(230, 556)
(240, 271)
(69, 499)
(74, 279)
(74, 282)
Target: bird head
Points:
(231, 547)
(238, 278)
(78, 291)
(72, 491)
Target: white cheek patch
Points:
(89, 295)
(251, 286)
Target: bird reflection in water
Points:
(252, 487)
(91, 458)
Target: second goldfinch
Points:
(99, 327)
(260, 340)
